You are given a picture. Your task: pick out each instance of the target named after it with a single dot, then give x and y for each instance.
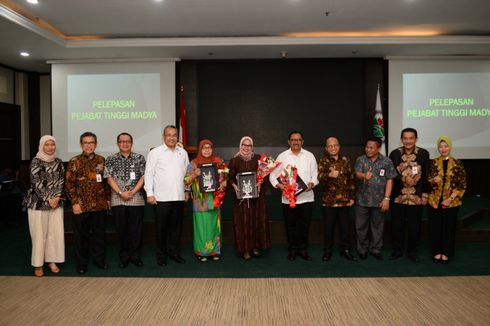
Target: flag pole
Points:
(378, 123)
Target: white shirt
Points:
(305, 162)
(164, 173)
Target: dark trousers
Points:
(297, 222)
(336, 216)
(129, 225)
(89, 232)
(406, 219)
(442, 230)
(168, 215)
(369, 218)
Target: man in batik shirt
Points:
(410, 193)
(374, 174)
(89, 194)
(335, 173)
(125, 174)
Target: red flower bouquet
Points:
(288, 179)
(219, 195)
(266, 165)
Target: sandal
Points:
(54, 268)
(38, 271)
(247, 256)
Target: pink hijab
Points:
(240, 151)
(41, 154)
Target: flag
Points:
(378, 124)
(182, 124)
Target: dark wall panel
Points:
(268, 99)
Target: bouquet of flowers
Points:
(219, 195)
(288, 179)
(266, 165)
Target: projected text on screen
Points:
(112, 102)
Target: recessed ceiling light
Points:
(24, 54)
(34, 2)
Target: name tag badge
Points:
(415, 170)
(98, 177)
(382, 172)
(132, 175)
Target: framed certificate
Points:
(208, 179)
(247, 183)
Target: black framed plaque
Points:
(208, 179)
(247, 183)
(300, 185)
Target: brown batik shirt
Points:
(414, 165)
(82, 186)
(337, 192)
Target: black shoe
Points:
(347, 255)
(178, 259)
(304, 254)
(82, 269)
(292, 255)
(395, 255)
(327, 256)
(363, 256)
(444, 261)
(137, 262)
(413, 258)
(436, 260)
(377, 255)
(123, 264)
(162, 262)
(101, 265)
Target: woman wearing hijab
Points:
(447, 177)
(250, 220)
(206, 218)
(44, 204)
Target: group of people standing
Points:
(407, 180)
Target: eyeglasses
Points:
(333, 146)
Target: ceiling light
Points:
(24, 54)
(34, 2)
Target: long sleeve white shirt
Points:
(164, 173)
(306, 164)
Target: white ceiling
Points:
(240, 29)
